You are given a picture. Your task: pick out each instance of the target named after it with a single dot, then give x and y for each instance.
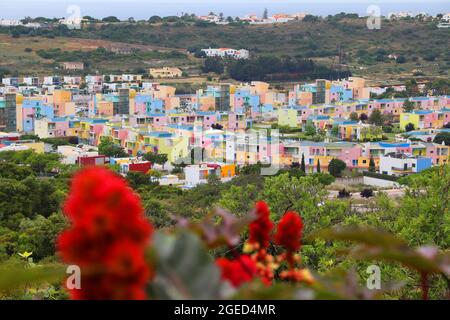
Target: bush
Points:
(343, 194)
(367, 193)
(442, 137)
(409, 127)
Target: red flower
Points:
(289, 232)
(237, 271)
(261, 228)
(107, 237)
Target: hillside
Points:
(25, 55)
(423, 48)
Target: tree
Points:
(109, 149)
(213, 65)
(239, 199)
(442, 137)
(408, 106)
(318, 166)
(324, 178)
(156, 158)
(265, 14)
(110, 19)
(376, 117)
(162, 159)
(409, 127)
(310, 18)
(302, 194)
(336, 167)
(155, 19)
(310, 129)
(303, 165)
(412, 88)
(363, 117)
(401, 59)
(371, 165)
(354, 116)
(137, 179)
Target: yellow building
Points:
(62, 103)
(165, 72)
(363, 162)
(176, 148)
(287, 117)
(406, 118)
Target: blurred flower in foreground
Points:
(237, 271)
(107, 237)
(261, 228)
(289, 232)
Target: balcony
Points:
(401, 170)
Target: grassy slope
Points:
(313, 40)
(14, 57)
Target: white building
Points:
(31, 81)
(197, 174)
(14, 147)
(10, 23)
(94, 80)
(212, 18)
(398, 164)
(72, 22)
(70, 154)
(10, 81)
(52, 81)
(131, 77)
(169, 180)
(72, 80)
(398, 15)
(227, 52)
(112, 78)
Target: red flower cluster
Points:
(237, 271)
(107, 237)
(289, 232)
(261, 228)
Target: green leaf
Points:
(219, 229)
(15, 277)
(362, 235)
(184, 269)
(380, 245)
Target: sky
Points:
(143, 9)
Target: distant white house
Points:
(73, 80)
(131, 77)
(210, 18)
(227, 52)
(398, 164)
(169, 180)
(398, 15)
(13, 23)
(446, 18)
(31, 81)
(73, 22)
(10, 81)
(52, 81)
(70, 154)
(10, 23)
